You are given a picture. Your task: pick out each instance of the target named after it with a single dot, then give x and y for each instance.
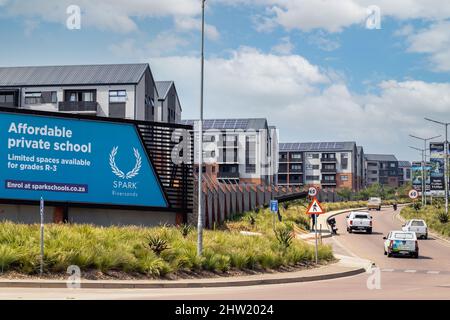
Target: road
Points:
(401, 278)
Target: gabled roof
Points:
(163, 88)
(72, 75)
(231, 124)
(380, 157)
(318, 146)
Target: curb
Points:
(143, 285)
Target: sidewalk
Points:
(347, 266)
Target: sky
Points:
(319, 70)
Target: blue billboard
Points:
(75, 161)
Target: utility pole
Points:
(445, 124)
(424, 186)
(425, 140)
(200, 139)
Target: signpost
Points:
(274, 209)
(41, 212)
(312, 192)
(315, 209)
(413, 194)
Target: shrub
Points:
(443, 217)
(185, 229)
(284, 236)
(157, 244)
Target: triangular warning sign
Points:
(315, 207)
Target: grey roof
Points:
(163, 88)
(405, 164)
(231, 124)
(318, 146)
(380, 157)
(72, 75)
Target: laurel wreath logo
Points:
(115, 169)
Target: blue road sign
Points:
(274, 205)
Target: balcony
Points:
(328, 182)
(331, 160)
(228, 175)
(327, 170)
(78, 106)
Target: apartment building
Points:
(382, 169)
(168, 108)
(322, 164)
(238, 150)
(404, 172)
(124, 91)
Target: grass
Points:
(155, 251)
(431, 214)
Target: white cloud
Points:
(190, 24)
(115, 15)
(307, 103)
(435, 41)
(285, 47)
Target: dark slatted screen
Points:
(177, 179)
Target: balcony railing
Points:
(228, 175)
(78, 106)
(328, 182)
(327, 170)
(328, 160)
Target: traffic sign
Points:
(413, 194)
(312, 191)
(274, 206)
(315, 207)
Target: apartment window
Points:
(313, 156)
(40, 97)
(344, 161)
(344, 178)
(7, 97)
(312, 167)
(296, 167)
(283, 156)
(329, 178)
(329, 167)
(296, 155)
(312, 178)
(373, 172)
(117, 96)
(250, 154)
(392, 165)
(33, 98)
(408, 173)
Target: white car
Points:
(418, 226)
(359, 221)
(401, 243)
(374, 203)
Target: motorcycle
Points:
(332, 223)
(395, 206)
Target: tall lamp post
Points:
(424, 187)
(425, 140)
(200, 148)
(445, 124)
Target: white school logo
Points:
(119, 173)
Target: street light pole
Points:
(200, 139)
(445, 124)
(424, 187)
(424, 172)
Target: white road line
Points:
(433, 272)
(410, 271)
(387, 270)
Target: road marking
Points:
(388, 270)
(433, 272)
(410, 271)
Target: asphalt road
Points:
(400, 278)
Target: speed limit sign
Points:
(312, 191)
(413, 194)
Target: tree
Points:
(345, 193)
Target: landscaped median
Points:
(434, 216)
(160, 252)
